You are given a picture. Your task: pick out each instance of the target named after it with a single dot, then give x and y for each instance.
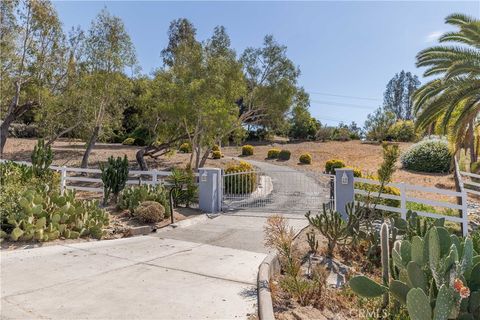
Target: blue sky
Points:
(346, 51)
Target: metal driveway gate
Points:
(283, 190)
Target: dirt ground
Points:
(366, 157)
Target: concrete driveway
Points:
(292, 191)
(207, 270)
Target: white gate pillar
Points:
(344, 193)
(210, 189)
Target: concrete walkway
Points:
(206, 270)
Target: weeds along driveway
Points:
(205, 270)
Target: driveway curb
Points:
(269, 266)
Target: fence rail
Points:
(152, 177)
(404, 199)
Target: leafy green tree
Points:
(452, 100)
(271, 84)
(398, 95)
(194, 96)
(108, 51)
(378, 123)
(302, 124)
(33, 58)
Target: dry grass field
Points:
(366, 157)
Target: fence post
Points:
(403, 200)
(464, 213)
(344, 193)
(210, 189)
(63, 180)
(154, 177)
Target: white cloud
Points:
(433, 36)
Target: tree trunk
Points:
(4, 130)
(15, 111)
(140, 156)
(90, 145)
(60, 134)
(204, 158)
(197, 156)
(471, 142)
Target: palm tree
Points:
(450, 103)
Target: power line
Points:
(346, 105)
(343, 96)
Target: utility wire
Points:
(342, 96)
(346, 105)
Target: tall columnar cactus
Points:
(114, 177)
(438, 277)
(42, 158)
(385, 253)
(332, 226)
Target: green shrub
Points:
(42, 158)
(284, 155)
(475, 167)
(216, 148)
(186, 188)
(114, 177)
(150, 212)
(431, 155)
(240, 183)
(247, 150)
(333, 164)
(357, 173)
(132, 196)
(128, 141)
(306, 158)
(273, 153)
(45, 215)
(403, 131)
(216, 155)
(185, 148)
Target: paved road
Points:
(207, 270)
(293, 191)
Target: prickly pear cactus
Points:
(45, 217)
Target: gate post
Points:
(210, 189)
(343, 190)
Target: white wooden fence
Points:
(79, 175)
(470, 182)
(404, 198)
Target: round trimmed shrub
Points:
(185, 148)
(128, 141)
(273, 153)
(403, 131)
(357, 173)
(247, 150)
(216, 155)
(216, 148)
(149, 211)
(333, 164)
(431, 155)
(284, 155)
(240, 183)
(306, 158)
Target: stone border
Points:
(269, 266)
